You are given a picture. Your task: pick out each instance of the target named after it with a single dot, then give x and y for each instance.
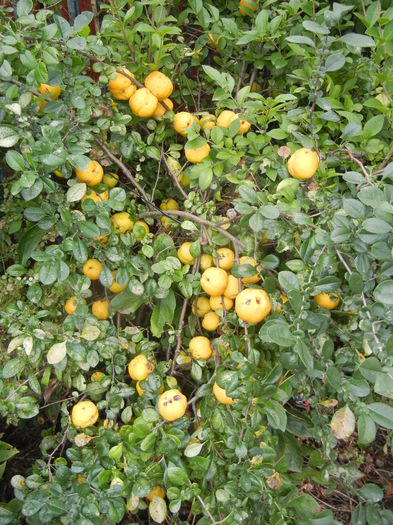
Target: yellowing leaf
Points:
(82, 439)
(329, 403)
(193, 450)
(343, 423)
(132, 503)
(90, 332)
(56, 353)
(28, 344)
(157, 509)
(15, 343)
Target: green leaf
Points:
(303, 351)
(334, 62)
(371, 492)
(248, 193)
(163, 246)
(354, 208)
(305, 505)
(28, 243)
(384, 292)
(377, 226)
(89, 229)
(78, 43)
(13, 367)
(382, 414)
(126, 302)
(193, 450)
(276, 414)
(24, 7)
(370, 368)
(6, 452)
(163, 313)
(48, 272)
(205, 178)
(5, 70)
(384, 384)
(76, 192)
(215, 75)
(80, 250)
(15, 160)
(371, 196)
(277, 134)
(358, 40)
(373, 126)
(288, 281)
(270, 212)
(328, 284)
(314, 27)
(351, 130)
(176, 476)
(388, 171)
(256, 222)
(189, 226)
(367, 429)
(353, 177)
(106, 277)
(82, 21)
(297, 39)
(262, 22)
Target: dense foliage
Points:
(312, 386)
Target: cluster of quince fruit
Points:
(144, 101)
(224, 290)
(121, 222)
(184, 120)
(153, 100)
(172, 404)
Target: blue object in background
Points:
(73, 9)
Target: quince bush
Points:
(255, 433)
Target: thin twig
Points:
(242, 71)
(114, 6)
(376, 339)
(20, 84)
(174, 175)
(206, 509)
(195, 218)
(359, 163)
(63, 440)
(124, 169)
(315, 93)
(195, 268)
(386, 159)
